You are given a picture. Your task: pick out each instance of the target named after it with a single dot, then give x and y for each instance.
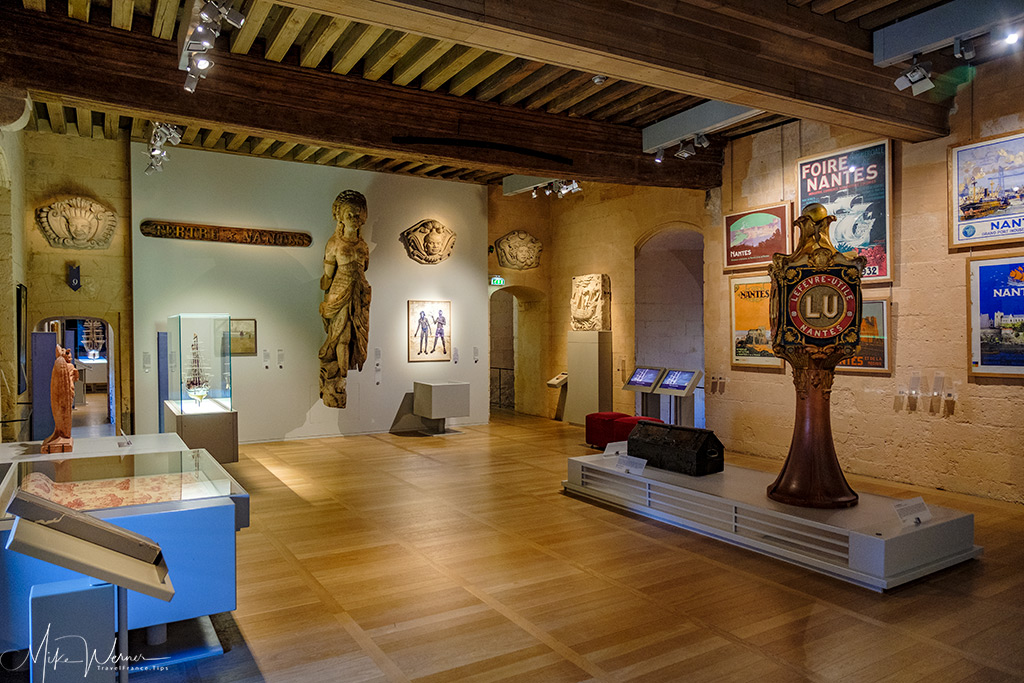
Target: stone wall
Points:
(97, 168)
(12, 265)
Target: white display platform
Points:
(589, 356)
(436, 401)
(865, 545)
(89, 447)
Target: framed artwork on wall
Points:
(995, 316)
(751, 237)
(875, 340)
(854, 185)
(430, 331)
(751, 328)
(243, 337)
(986, 192)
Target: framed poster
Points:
(751, 237)
(853, 184)
(986, 202)
(243, 337)
(430, 331)
(751, 328)
(995, 316)
(875, 340)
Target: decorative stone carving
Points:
(217, 233)
(76, 223)
(62, 400)
(518, 250)
(591, 303)
(428, 241)
(346, 306)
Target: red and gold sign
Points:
(821, 306)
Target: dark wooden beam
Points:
(108, 69)
(680, 47)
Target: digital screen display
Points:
(644, 377)
(677, 379)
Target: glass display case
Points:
(116, 481)
(199, 362)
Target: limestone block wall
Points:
(12, 265)
(63, 165)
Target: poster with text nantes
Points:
(853, 184)
(997, 315)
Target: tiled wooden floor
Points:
(457, 558)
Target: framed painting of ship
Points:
(995, 316)
(430, 331)
(243, 336)
(986, 193)
(751, 237)
(751, 327)
(875, 340)
(854, 186)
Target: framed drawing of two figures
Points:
(430, 331)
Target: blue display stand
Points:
(161, 376)
(44, 352)
(71, 621)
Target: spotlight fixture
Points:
(599, 79)
(963, 49)
(701, 140)
(917, 78)
(659, 156)
(162, 134)
(1011, 37)
(686, 150)
(534, 193)
(547, 189)
(559, 188)
(200, 33)
(214, 11)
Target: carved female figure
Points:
(346, 306)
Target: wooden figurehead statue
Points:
(62, 400)
(815, 323)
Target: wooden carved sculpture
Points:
(346, 306)
(815, 323)
(62, 400)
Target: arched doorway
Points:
(518, 328)
(669, 313)
(92, 346)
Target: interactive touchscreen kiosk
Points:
(560, 382)
(680, 384)
(643, 380)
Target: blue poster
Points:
(998, 315)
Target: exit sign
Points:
(497, 280)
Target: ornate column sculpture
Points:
(815, 323)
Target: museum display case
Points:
(199, 362)
(181, 499)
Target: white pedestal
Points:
(864, 545)
(590, 374)
(436, 401)
(209, 426)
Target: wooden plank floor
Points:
(457, 558)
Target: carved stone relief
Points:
(591, 303)
(428, 242)
(76, 223)
(518, 250)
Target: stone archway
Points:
(669, 303)
(529, 349)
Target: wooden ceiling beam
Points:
(563, 102)
(327, 156)
(165, 15)
(354, 43)
(677, 47)
(83, 120)
(506, 78)
(37, 5)
(532, 83)
(260, 147)
(55, 113)
(286, 29)
(236, 141)
(859, 9)
(111, 124)
(473, 75)
(255, 12)
(79, 9)
(415, 61)
(213, 137)
(556, 88)
(453, 61)
(604, 97)
(136, 75)
(139, 129)
(121, 12)
(306, 152)
(386, 53)
(322, 38)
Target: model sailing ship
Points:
(92, 338)
(197, 378)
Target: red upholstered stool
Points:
(599, 428)
(624, 425)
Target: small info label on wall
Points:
(913, 511)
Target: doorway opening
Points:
(503, 324)
(92, 347)
(669, 314)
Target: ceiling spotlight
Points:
(659, 156)
(200, 62)
(701, 140)
(191, 81)
(210, 11)
(963, 49)
(917, 78)
(599, 79)
(686, 150)
(534, 193)
(1011, 37)
(153, 167)
(547, 189)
